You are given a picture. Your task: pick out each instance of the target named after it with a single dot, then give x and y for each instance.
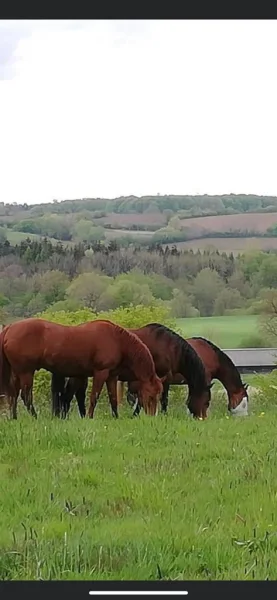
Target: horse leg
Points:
(81, 398)
(138, 407)
(13, 406)
(14, 389)
(112, 392)
(99, 379)
(164, 398)
(57, 388)
(26, 383)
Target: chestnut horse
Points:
(219, 366)
(172, 355)
(98, 349)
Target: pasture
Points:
(226, 332)
(145, 498)
(237, 245)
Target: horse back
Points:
(32, 344)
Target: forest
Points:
(38, 275)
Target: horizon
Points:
(118, 108)
(55, 201)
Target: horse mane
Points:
(139, 349)
(190, 362)
(224, 359)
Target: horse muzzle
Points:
(241, 409)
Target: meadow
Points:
(146, 498)
(226, 332)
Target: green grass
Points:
(143, 498)
(227, 332)
(16, 237)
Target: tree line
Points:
(36, 275)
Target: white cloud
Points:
(108, 108)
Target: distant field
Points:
(128, 219)
(112, 234)
(258, 222)
(226, 332)
(16, 237)
(235, 245)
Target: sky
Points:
(113, 108)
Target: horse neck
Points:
(140, 363)
(225, 375)
(188, 363)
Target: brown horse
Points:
(218, 366)
(171, 354)
(98, 348)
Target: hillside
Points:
(193, 221)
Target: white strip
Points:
(138, 593)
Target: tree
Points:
(85, 230)
(87, 289)
(52, 285)
(268, 272)
(207, 286)
(181, 305)
(268, 318)
(3, 234)
(126, 292)
(227, 299)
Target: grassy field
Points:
(237, 245)
(160, 498)
(227, 332)
(16, 237)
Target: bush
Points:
(255, 340)
(130, 316)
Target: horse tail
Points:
(119, 391)
(5, 369)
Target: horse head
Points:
(198, 402)
(238, 401)
(149, 393)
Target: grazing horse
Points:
(99, 349)
(172, 355)
(218, 366)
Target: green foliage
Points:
(207, 287)
(227, 299)
(131, 316)
(181, 305)
(254, 340)
(3, 234)
(87, 289)
(86, 231)
(268, 272)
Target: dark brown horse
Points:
(99, 349)
(171, 354)
(218, 366)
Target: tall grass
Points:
(143, 498)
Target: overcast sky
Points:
(111, 108)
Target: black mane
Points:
(191, 364)
(224, 359)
